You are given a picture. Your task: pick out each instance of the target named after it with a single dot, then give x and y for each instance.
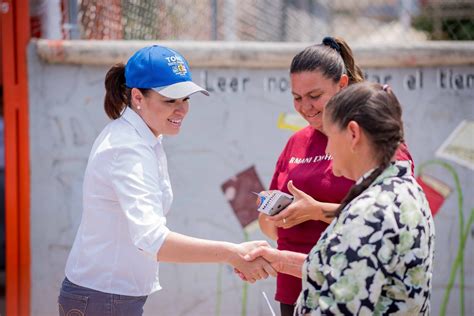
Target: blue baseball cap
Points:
(163, 70)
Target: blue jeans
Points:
(75, 300)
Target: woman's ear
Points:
(344, 81)
(137, 98)
(354, 133)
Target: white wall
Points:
(223, 134)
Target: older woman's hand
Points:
(271, 255)
(262, 252)
(282, 261)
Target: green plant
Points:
(460, 29)
(463, 234)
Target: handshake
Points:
(255, 260)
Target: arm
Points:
(267, 226)
(180, 248)
(185, 249)
(135, 179)
(291, 263)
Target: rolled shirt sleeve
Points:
(135, 177)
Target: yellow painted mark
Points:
(292, 121)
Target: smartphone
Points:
(273, 202)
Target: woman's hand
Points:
(302, 209)
(271, 255)
(251, 270)
(268, 254)
(282, 261)
(267, 227)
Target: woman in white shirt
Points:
(113, 264)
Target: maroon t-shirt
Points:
(305, 162)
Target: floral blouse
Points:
(376, 258)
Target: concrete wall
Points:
(233, 129)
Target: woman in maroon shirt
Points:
(317, 73)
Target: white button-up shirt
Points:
(126, 195)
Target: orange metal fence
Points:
(15, 36)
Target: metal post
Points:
(230, 22)
(214, 19)
(15, 28)
(72, 25)
(406, 7)
(437, 21)
(284, 20)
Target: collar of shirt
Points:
(139, 124)
(395, 169)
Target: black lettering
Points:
(441, 79)
(205, 83)
(469, 81)
(283, 85)
(376, 78)
(221, 83)
(450, 79)
(234, 84)
(410, 82)
(271, 83)
(459, 81)
(244, 80)
(420, 79)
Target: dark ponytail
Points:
(378, 112)
(117, 95)
(352, 70)
(332, 58)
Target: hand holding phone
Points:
(273, 202)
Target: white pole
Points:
(406, 9)
(230, 22)
(51, 19)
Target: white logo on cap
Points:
(177, 65)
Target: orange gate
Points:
(15, 34)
